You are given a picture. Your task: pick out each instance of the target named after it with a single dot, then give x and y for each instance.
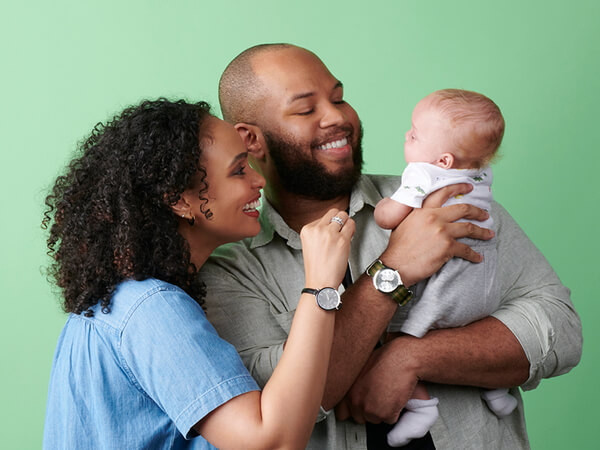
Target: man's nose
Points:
(332, 116)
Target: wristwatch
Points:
(327, 298)
(388, 281)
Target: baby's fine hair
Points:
(481, 117)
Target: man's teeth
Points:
(252, 205)
(333, 144)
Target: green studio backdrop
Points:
(68, 65)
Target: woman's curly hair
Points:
(110, 213)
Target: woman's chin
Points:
(246, 232)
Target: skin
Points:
(254, 419)
(423, 242)
(426, 141)
(309, 106)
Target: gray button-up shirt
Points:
(254, 287)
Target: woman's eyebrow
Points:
(239, 157)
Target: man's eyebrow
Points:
(302, 95)
(239, 157)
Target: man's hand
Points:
(380, 392)
(426, 239)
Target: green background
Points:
(67, 65)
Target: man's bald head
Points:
(240, 88)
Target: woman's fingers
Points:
(326, 245)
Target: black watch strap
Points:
(310, 291)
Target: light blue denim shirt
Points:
(254, 287)
(141, 376)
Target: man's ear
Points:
(445, 161)
(253, 139)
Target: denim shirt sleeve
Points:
(535, 305)
(173, 355)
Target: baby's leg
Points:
(500, 401)
(420, 413)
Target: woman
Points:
(137, 365)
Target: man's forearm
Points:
(358, 326)
(484, 353)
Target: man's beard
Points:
(307, 177)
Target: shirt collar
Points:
(363, 192)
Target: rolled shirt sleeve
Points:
(535, 305)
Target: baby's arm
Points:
(389, 213)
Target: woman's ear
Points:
(181, 208)
(253, 139)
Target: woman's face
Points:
(233, 186)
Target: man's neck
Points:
(297, 210)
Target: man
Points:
(305, 140)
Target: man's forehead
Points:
(292, 68)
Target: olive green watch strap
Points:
(401, 295)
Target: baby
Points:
(454, 136)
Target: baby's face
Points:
(429, 135)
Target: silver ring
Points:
(337, 220)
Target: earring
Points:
(192, 221)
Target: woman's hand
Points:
(326, 246)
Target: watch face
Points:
(386, 280)
(328, 299)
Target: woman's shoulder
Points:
(133, 297)
(139, 289)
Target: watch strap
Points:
(310, 291)
(375, 267)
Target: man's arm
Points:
(536, 333)
(422, 243)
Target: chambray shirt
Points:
(254, 287)
(141, 376)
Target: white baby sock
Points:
(417, 419)
(500, 401)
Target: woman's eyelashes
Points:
(240, 170)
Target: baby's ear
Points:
(445, 161)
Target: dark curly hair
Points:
(110, 212)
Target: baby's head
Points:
(452, 128)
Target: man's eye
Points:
(240, 171)
(306, 113)
(339, 102)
